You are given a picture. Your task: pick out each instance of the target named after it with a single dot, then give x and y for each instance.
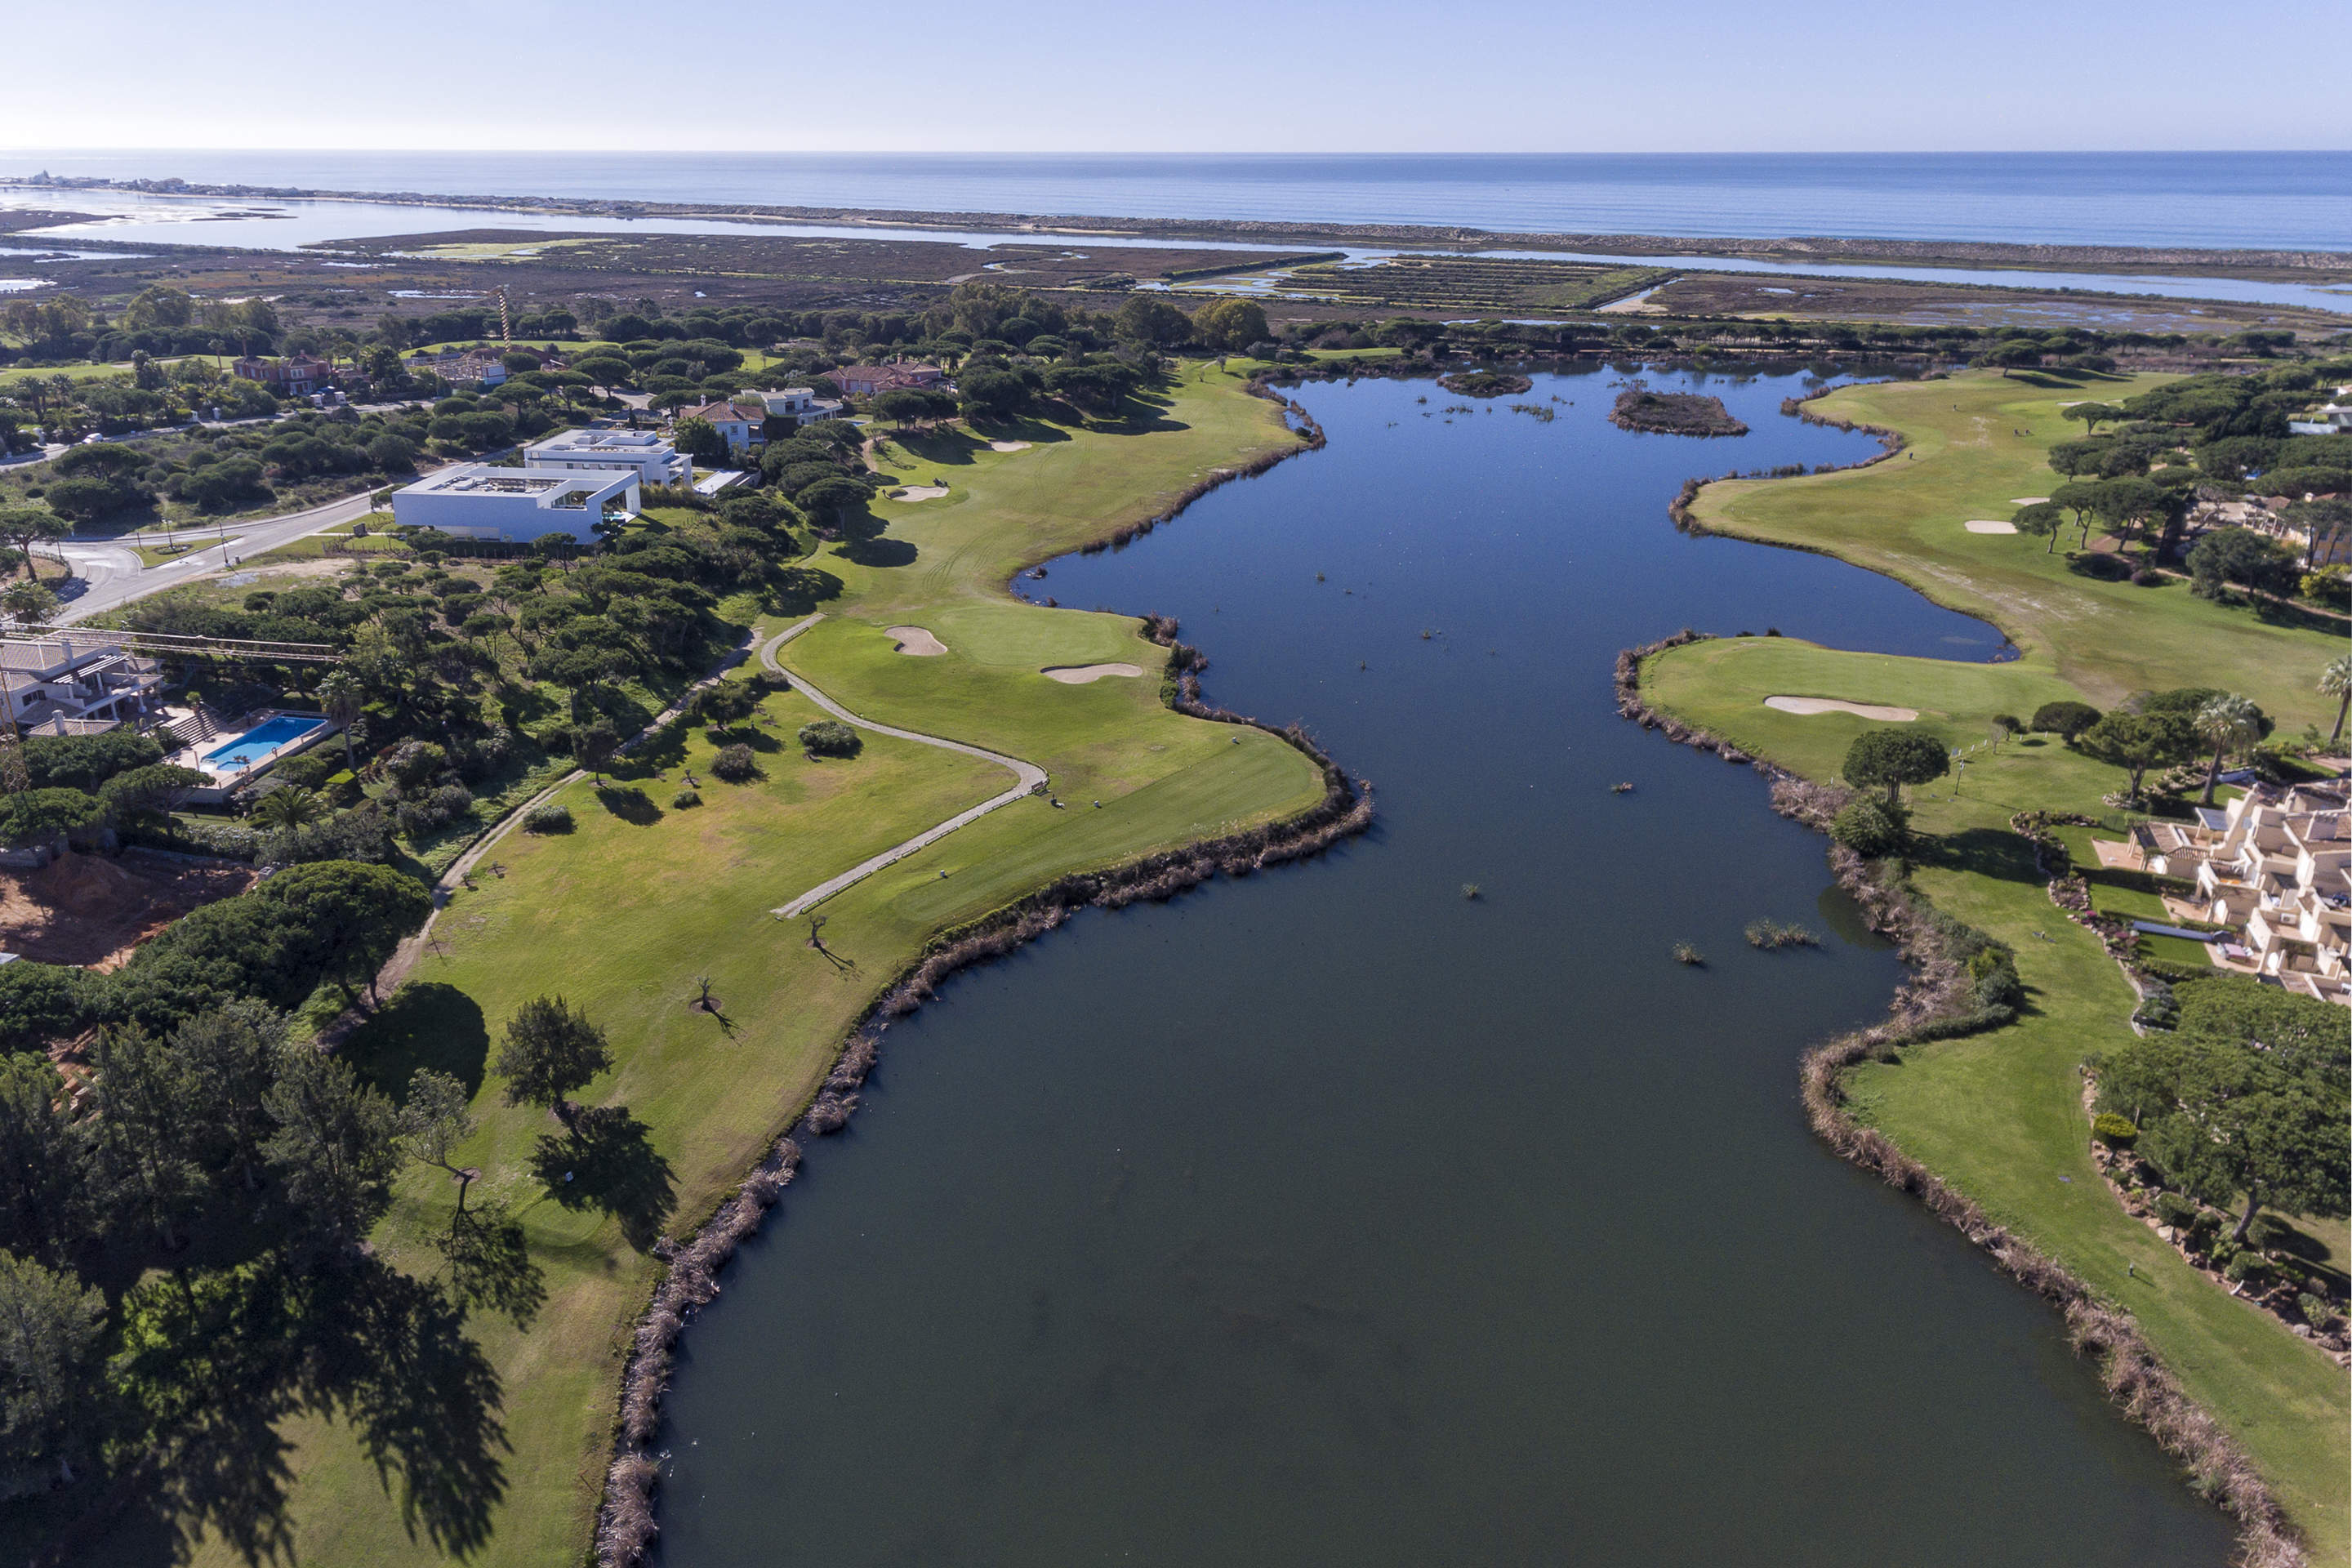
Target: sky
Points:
(1470, 76)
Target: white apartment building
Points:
(656, 462)
(2278, 864)
(476, 500)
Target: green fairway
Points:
(628, 912)
(2000, 1115)
(1966, 460)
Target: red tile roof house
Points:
(870, 379)
(738, 423)
(296, 375)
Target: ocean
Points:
(2298, 200)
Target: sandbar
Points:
(1831, 705)
(915, 642)
(1081, 674)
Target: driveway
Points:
(108, 575)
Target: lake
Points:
(1331, 1216)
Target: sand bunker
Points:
(1008, 445)
(1831, 705)
(1081, 674)
(2027, 501)
(1986, 525)
(915, 642)
(922, 492)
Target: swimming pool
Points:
(272, 735)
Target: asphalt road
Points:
(108, 575)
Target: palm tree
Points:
(341, 698)
(291, 806)
(2335, 681)
(2228, 723)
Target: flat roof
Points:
(638, 440)
(486, 479)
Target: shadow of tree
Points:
(1987, 851)
(630, 804)
(878, 552)
(797, 590)
(611, 1164)
(426, 1024)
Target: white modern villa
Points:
(656, 461)
(477, 501)
(800, 402)
(73, 685)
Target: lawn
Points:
(2000, 1115)
(627, 912)
(1967, 459)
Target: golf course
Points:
(647, 907)
(2000, 1115)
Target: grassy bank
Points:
(1977, 443)
(2000, 1115)
(626, 914)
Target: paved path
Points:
(1030, 774)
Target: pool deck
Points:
(228, 776)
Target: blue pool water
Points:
(260, 740)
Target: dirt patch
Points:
(1831, 705)
(85, 909)
(916, 642)
(1081, 674)
(1986, 525)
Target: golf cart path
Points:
(1029, 774)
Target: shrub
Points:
(1686, 953)
(2011, 722)
(2159, 1008)
(1871, 828)
(685, 798)
(547, 819)
(2115, 1132)
(2268, 1231)
(829, 738)
(2317, 1311)
(2204, 1228)
(2246, 1268)
(2096, 563)
(736, 763)
(2175, 1210)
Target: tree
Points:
(22, 527)
(31, 603)
(924, 406)
(1149, 321)
(725, 704)
(699, 439)
(148, 1174)
(149, 795)
(2245, 1101)
(1230, 326)
(290, 806)
(437, 1117)
(2041, 520)
(2138, 742)
(335, 1147)
(2336, 680)
(229, 1059)
(2064, 719)
(1893, 758)
(551, 1050)
(354, 914)
(2238, 555)
(2228, 723)
(43, 1158)
(2093, 414)
(593, 745)
(340, 695)
(827, 500)
(51, 1366)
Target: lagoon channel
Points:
(1332, 1217)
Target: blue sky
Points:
(1204, 76)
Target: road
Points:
(1030, 777)
(108, 575)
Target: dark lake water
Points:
(1329, 1217)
